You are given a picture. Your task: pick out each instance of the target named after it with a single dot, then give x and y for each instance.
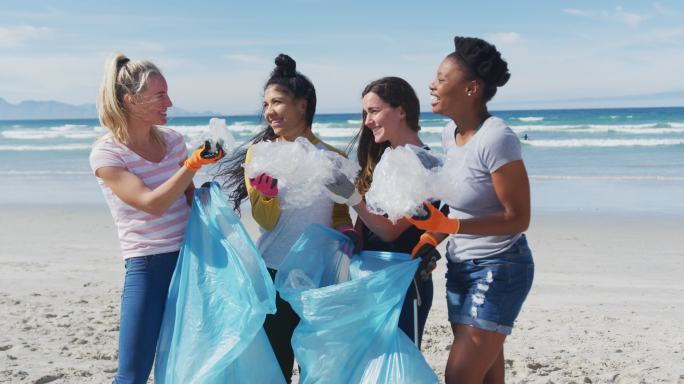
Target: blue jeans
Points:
(488, 293)
(146, 286)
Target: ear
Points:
(473, 88)
(301, 105)
(128, 99)
(402, 112)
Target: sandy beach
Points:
(606, 306)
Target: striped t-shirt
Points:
(141, 233)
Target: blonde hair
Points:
(123, 76)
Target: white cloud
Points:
(17, 35)
(579, 12)
(246, 59)
(661, 9)
(69, 78)
(618, 14)
(505, 37)
(629, 18)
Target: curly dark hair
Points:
(481, 60)
(288, 80)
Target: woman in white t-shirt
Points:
(490, 267)
(146, 178)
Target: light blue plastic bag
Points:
(349, 309)
(220, 293)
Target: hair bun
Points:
(285, 66)
(483, 59)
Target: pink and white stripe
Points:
(141, 233)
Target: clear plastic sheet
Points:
(217, 133)
(404, 178)
(301, 168)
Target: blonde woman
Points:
(146, 179)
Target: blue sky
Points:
(217, 55)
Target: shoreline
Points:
(606, 304)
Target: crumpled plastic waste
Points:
(404, 177)
(301, 168)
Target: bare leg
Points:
(496, 373)
(473, 353)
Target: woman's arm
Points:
(380, 225)
(265, 210)
(190, 193)
(131, 190)
(512, 188)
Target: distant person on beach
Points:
(146, 179)
(288, 108)
(525, 137)
(489, 265)
(391, 112)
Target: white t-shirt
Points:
(470, 168)
(141, 233)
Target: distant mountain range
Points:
(32, 109)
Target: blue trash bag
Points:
(220, 293)
(349, 308)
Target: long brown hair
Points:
(396, 92)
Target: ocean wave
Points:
(335, 132)
(43, 135)
(640, 129)
(43, 148)
(530, 119)
(69, 127)
(67, 131)
(574, 143)
(609, 178)
(432, 130)
(43, 173)
(197, 130)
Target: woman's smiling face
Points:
(381, 118)
(284, 113)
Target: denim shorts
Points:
(488, 293)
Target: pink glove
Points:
(354, 236)
(266, 185)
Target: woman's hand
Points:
(203, 156)
(434, 220)
(266, 185)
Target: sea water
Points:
(591, 160)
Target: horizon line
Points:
(219, 115)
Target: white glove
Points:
(343, 191)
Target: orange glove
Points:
(425, 239)
(203, 156)
(426, 250)
(434, 220)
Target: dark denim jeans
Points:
(142, 305)
(426, 291)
